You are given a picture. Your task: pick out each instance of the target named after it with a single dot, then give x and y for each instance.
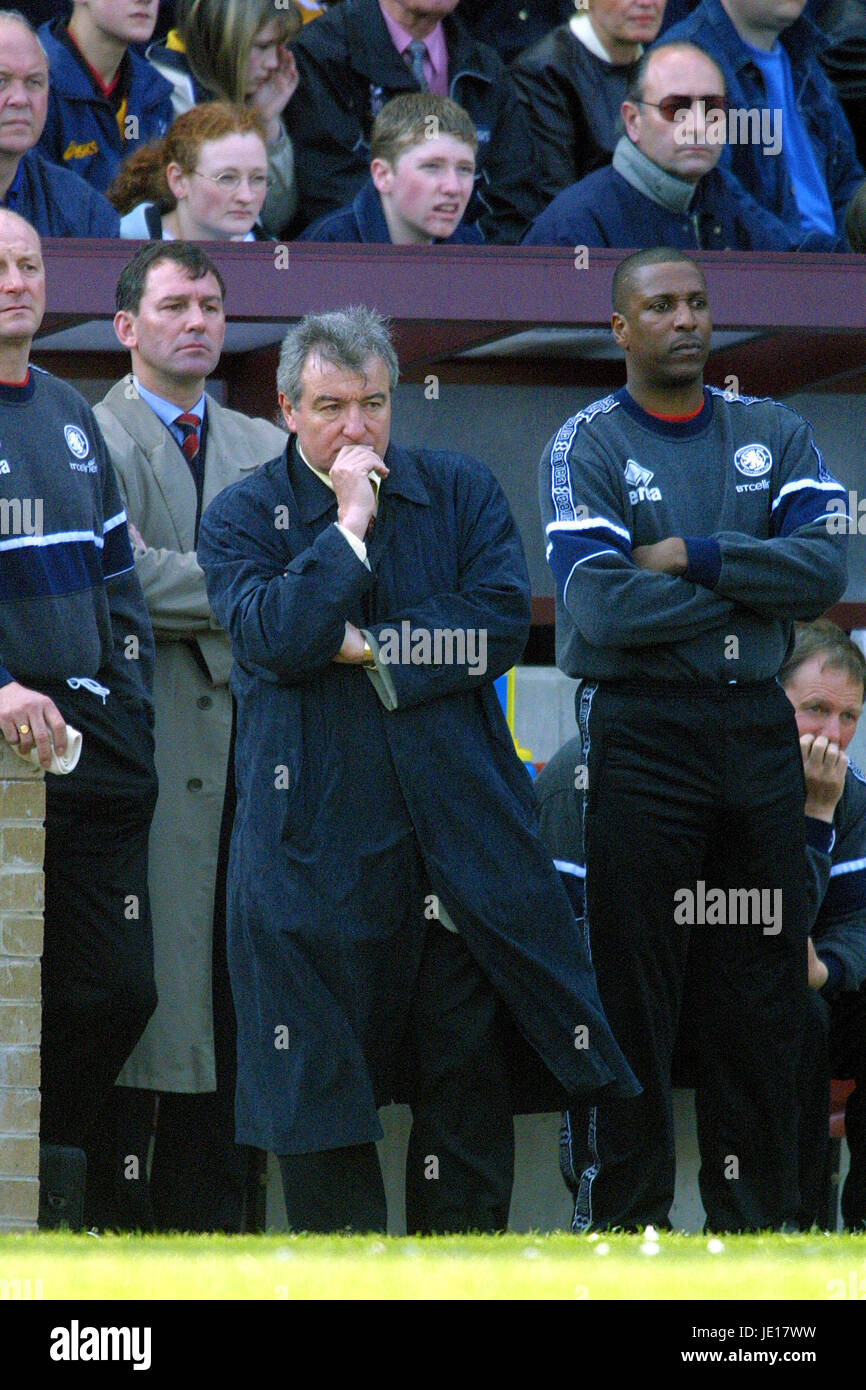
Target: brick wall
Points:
(22, 842)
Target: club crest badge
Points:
(77, 441)
(753, 460)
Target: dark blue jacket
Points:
(364, 220)
(605, 210)
(81, 132)
(59, 203)
(766, 177)
(339, 794)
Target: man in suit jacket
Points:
(174, 449)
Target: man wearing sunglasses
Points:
(663, 187)
(769, 52)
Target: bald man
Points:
(76, 647)
(54, 200)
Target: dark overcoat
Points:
(356, 820)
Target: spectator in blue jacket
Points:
(105, 99)
(421, 177)
(663, 187)
(768, 52)
(55, 201)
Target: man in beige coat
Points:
(174, 449)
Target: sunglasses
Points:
(671, 107)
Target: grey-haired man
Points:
(372, 593)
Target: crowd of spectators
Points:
(570, 144)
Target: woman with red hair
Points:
(205, 180)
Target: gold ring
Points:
(24, 728)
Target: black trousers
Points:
(460, 1162)
(199, 1177)
(691, 790)
(98, 989)
(834, 1044)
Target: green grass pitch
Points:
(560, 1266)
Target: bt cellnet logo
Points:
(77, 1343)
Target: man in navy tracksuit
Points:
(824, 679)
(380, 805)
(105, 99)
(76, 647)
(686, 531)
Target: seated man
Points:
(824, 678)
(770, 62)
(105, 99)
(54, 200)
(361, 53)
(663, 187)
(419, 185)
(574, 82)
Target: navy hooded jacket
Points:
(364, 220)
(81, 131)
(57, 202)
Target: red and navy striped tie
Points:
(189, 424)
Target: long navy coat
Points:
(350, 813)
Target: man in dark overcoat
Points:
(388, 894)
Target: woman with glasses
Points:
(235, 51)
(205, 180)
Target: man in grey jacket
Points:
(686, 531)
(174, 448)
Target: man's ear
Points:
(382, 174)
(124, 328)
(619, 328)
(631, 121)
(288, 412)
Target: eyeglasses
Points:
(674, 107)
(230, 183)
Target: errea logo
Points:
(639, 479)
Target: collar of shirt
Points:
(581, 27)
(324, 477)
(167, 411)
(111, 91)
(436, 60)
(167, 236)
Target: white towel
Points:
(67, 763)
